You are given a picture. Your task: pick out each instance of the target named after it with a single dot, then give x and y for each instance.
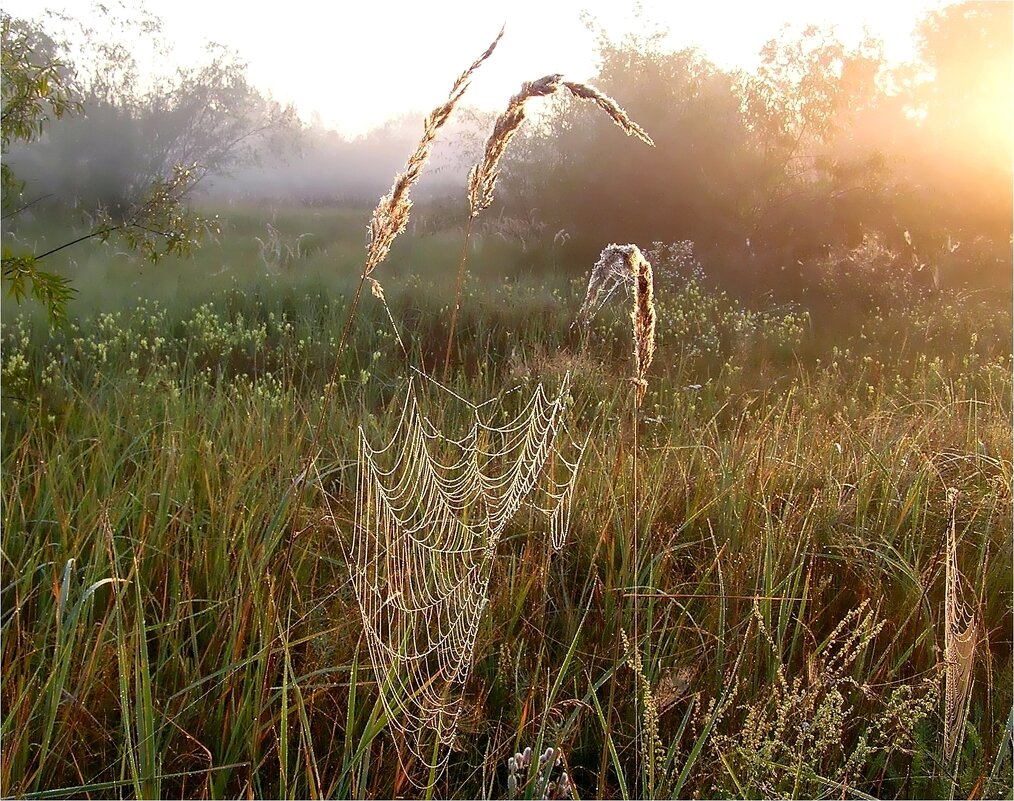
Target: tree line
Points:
(827, 166)
(825, 169)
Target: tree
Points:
(757, 170)
(580, 176)
(783, 175)
(967, 97)
(963, 96)
(130, 151)
(35, 87)
(137, 127)
(943, 123)
(820, 187)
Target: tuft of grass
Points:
(787, 475)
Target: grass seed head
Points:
(482, 177)
(392, 212)
(610, 107)
(623, 265)
(642, 318)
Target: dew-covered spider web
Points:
(431, 508)
(612, 271)
(960, 640)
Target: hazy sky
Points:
(359, 62)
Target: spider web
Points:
(960, 639)
(430, 511)
(610, 272)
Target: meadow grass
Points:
(166, 631)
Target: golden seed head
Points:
(482, 177)
(391, 215)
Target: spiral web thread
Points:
(960, 639)
(430, 511)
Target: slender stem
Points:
(635, 640)
(101, 232)
(604, 758)
(311, 455)
(96, 232)
(457, 297)
(28, 205)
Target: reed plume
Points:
(610, 107)
(625, 265)
(482, 177)
(392, 212)
(643, 319)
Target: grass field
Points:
(173, 624)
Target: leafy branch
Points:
(159, 226)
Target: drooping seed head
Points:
(610, 107)
(482, 177)
(625, 265)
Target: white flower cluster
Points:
(544, 785)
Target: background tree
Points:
(817, 189)
(957, 162)
(577, 175)
(35, 88)
(752, 168)
(788, 176)
(135, 130)
(132, 152)
(38, 88)
(966, 95)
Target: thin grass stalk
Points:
(378, 293)
(482, 178)
(642, 319)
(638, 707)
(608, 749)
(626, 264)
(643, 325)
(458, 287)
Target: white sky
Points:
(359, 62)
